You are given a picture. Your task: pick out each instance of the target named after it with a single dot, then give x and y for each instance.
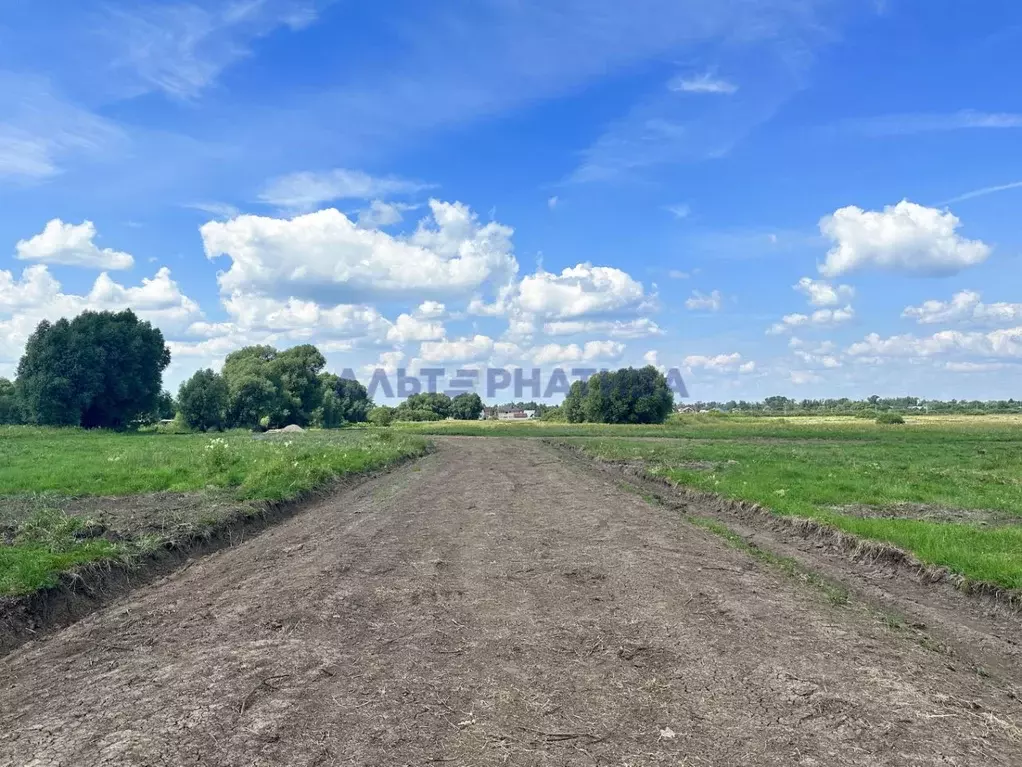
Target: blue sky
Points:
(801, 197)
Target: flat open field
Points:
(921, 427)
(502, 602)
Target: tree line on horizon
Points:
(869, 406)
(105, 370)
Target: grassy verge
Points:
(45, 472)
(953, 499)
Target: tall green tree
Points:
(282, 387)
(467, 406)
(427, 406)
(203, 400)
(343, 401)
(254, 387)
(572, 405)
(10, 406)
(628, 395)
(298, 370)
(101, 369)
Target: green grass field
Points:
(43, 470)
(919, 429)
(950, 491)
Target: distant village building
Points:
(516, 415)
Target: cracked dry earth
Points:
(491, 604)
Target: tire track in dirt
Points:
(492, 604)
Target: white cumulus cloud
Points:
(964, 306)
(410, 328)
(720, 363)
(819, 318)
(71, 245)
(430, 310)
(711, 302)
(325, 253)
(591, 351)
(380, 213)
(828, 361)
(822, 293)
(474, 349)
(905, 237)
(996, 343)
(583, 290)
(298, 318)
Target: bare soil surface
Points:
(495, 603)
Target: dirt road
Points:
(494, 603)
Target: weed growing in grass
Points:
(217, 455)
(890, 419)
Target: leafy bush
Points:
(177, 426)
(466, 407)
(418, 407)
(381, 416)
(417, 414)
(554, 414)
(890, 418)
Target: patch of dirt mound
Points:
(166, 514)
(641, 464)
(927, 513)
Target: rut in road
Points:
(492, 604)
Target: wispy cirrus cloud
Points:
(214, 208)
(181, 48)
(308, 189)
(983, 192)
(40, 130)
(706, 82)
(492, 57)
(911, 123)
(667, 127)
